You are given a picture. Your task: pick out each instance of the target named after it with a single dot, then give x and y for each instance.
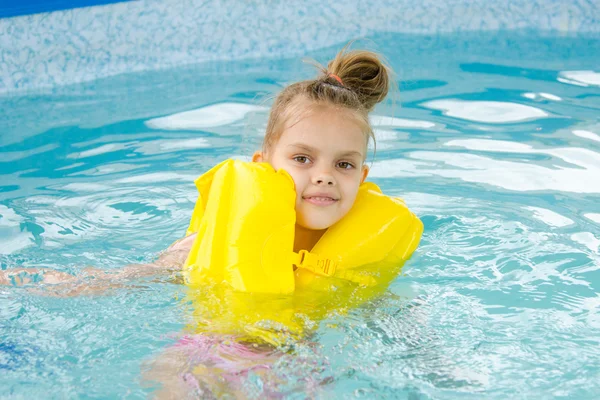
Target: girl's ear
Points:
(364, 172)
(257, 156)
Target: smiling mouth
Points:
(320, 200)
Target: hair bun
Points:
(362, 72)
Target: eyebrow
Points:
(352, 153)
(303, 147)
(310, 149)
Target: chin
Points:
(315, 225)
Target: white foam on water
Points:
(588, 240)
(86, 187)
(496, 112)
(184, 144)
(157, 177)
(401, 168)
(516, 176)
(206, 117)
(106, 148)
(580, 157)
(571, 82)
(593, 217)
(150, 147)
(79, 164)
(169, 146)
(587, 135)
(550, 96)
(547, 96)
(550, 217)
(110, 169)
(581, 78)
(510, 175)
(8, 217)
(491, 145)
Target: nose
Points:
(323, 178)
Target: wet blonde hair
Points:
(365, 81)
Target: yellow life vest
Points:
(243, 253)
(245, 220)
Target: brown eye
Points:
(301, 159)
(345, 165)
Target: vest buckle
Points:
(316, 264)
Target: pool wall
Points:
(49, 49)
(26, 7)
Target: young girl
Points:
(318, 133)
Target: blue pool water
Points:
(494, 143)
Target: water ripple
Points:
(493, 112)
(499, 159)
(100, 214)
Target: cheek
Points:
(351, 184)
(351, 190)
(278, 162)
(299, 181)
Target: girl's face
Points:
(324, 154)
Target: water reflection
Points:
(493, 112)
(510, 175)
(541, 95)
(580, 78)
(586, 134)
(550, 217)
(205, 117)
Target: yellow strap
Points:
(327, 267)
(314, 263)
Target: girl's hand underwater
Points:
(24, 276)
(93, 281)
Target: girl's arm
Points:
(95, 280)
